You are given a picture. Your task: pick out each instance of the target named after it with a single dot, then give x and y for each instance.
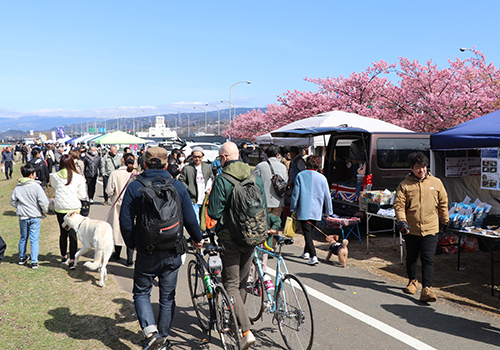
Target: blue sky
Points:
(105, 58)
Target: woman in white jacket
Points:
(70, 190)
(118, 180)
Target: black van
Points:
(384, 153)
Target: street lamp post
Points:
(205, 116)
(218, 116)
(175, 119)
(188, 120)
(230, 104)
(134, 119)
(118, 121)
(240, 82)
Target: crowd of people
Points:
(73, 172)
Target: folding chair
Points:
(354, 229)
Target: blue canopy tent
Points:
(481, 132)
(463, 141)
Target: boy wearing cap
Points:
(197, 177)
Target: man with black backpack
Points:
(239, 228)
(42, 172)
(159, 247)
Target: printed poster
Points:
(489, 169)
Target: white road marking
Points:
(393, 332)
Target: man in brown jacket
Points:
(421, 206)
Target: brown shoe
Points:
(412, 287)
(427, 296)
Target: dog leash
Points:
(117, 198)
(317, 228)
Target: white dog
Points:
(95, 234)
(52, 208)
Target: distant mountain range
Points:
(18, 128)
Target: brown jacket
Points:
(418, 202)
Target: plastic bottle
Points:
(268, 283)
(208, 283)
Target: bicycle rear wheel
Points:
(254, 297)
(294, 314)
(227, 324)
(201, 304)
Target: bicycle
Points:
(289, 302)
(212, 305)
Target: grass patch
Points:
(52, 307)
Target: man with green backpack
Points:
(238, 202)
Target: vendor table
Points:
(490, 241)
(369, 215)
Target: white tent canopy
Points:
(329, 119)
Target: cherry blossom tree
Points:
(425, 98)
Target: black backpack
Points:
(161, 221)
(279, 184)
(247, 214)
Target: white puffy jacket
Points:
(68, 197)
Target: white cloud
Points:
(104, 112)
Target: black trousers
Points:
(105, 180)
(130, 252)
(307, 230)
(3, 247)
(91, 182)
(425, 248)
(50, 164)
(63, 239)
(8, 169)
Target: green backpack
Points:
(247, 214)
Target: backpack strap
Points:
(143, 180)
(235, 181)
(230, 178)
(270, 166)
(146, 182)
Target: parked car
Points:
(210, 150)
(384, 153)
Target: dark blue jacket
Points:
(131, 210)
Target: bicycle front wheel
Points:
(294, 314)
(198, 294)
(254, 297)
(227, 325)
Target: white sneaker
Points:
(247, 340)
(304, 256)
(91, 201)
(313, 261)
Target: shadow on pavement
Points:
(458, 326)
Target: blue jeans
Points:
(29, 227)
(165, 266)
(196, 208)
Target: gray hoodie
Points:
(29, 199)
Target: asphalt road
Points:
(353, 309)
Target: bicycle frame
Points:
(202, 266)
(281, 271)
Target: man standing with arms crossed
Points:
(421, 206)
(236, 259)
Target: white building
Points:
(158, 131)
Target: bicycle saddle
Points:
(283, 240)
